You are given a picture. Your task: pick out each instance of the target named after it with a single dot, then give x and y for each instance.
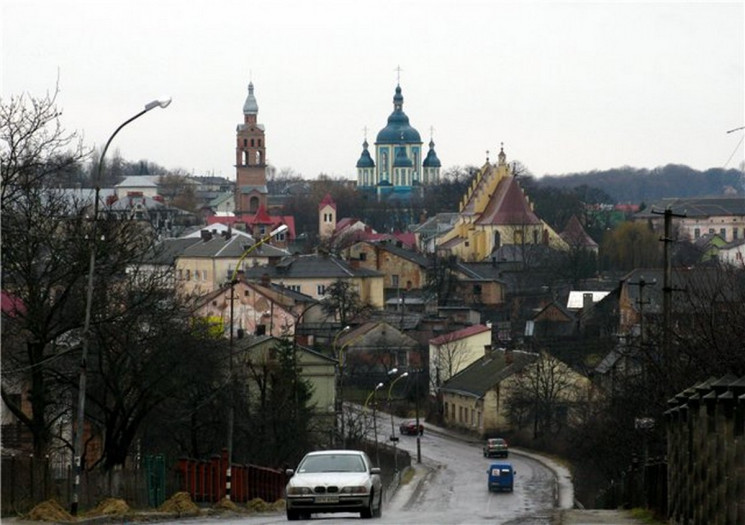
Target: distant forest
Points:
(632, 185)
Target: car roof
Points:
(340, 451)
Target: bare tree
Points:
(44, 260)
(543, 395)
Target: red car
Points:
(409, 427)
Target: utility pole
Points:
(667, 285)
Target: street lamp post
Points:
(375, 418)
(231, 408)
(80, 419)
(339, 409)
(393, 438)
(418, 431)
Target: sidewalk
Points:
(566, 513)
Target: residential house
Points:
(551, 321)
(480, 285)
(452, 352)
(477, 398)
(207, 265)
(370, 350)
(404, 269)
(256, 309)
(256, 353)
(733, 253)
(142, 185)
(430, 229)
(313, 274)
(696, 216)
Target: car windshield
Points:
(332, 463)
(496, 441)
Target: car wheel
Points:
(378, 512)
(292, 515)
(367, 512)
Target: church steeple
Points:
(250, 159)
(250, 106)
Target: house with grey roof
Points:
(477, 399)
(206, 265)
(313, 274)
(696, 216)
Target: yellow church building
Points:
(493, 213)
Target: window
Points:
(294, 287)
(321, 289)
(394, 281)
(723, 233)
(735, 234)
(697, 233)
(260, 329)
(476, 289)
(188, 275)
(363, 256)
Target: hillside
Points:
(627, 184)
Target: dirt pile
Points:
(181, 504)
(50, 510)
(226, 504)
(112, 507)
(258, 505)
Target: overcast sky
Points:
(567, 87)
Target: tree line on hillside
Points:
(638, 185)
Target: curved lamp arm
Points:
(280, 229)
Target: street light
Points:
(394, 439)
(375, 418)
(418, 428)
(339, 408)
(78, 445)
(231, 408)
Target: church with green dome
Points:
(400, 169)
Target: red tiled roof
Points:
(508, 206)
(459, 334)
(575, 234)
(327, 201)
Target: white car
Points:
(334, 481)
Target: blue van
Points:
(501, 476)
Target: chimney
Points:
(586, 301)
(206, 235)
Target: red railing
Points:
(204, 480)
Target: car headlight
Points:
(298, 491)
(359, 489)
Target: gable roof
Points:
(463, 333)
(483, 374)
(310, 266)
(508, 206)
(168, 250)
(399, 251)
(575, 234)
(234, 247)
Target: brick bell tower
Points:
(250, 160)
